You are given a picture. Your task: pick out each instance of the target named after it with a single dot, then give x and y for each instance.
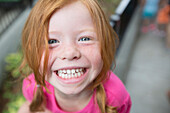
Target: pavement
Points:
(143, 64)
(148, 75)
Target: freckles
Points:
(94, 55)
(97, 58)
(53, 60)
(98, 61)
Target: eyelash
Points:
(52, 41)
(84, 39)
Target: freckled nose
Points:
(70, 53)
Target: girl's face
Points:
(75, 59)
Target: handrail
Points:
(7, 17)
(10, 10)
(122, 6)
(119, 21)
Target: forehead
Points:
(74, 15)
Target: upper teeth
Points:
(70, 73)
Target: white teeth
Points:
(75, 75)
(69, 76)
(77, 70)
(60, 71)
(73, 71)
(65, 76)
(70, 73)
(79, 74)
(60, 75)
(64, 71)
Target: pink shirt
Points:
(116, 93)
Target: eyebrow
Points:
(85, 30)
(80, 31)
(54, 32)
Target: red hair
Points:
(35, 40)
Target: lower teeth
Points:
(69, 76)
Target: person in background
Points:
(149, 11)
(163, 20)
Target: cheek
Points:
(96, 61)
(94, 56)
(96, 64)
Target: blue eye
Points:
(52, 41)
(85, 39)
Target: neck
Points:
(75, 102)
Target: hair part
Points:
(35, 41)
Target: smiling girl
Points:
(70, 47)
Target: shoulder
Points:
(116, 92)
(114, 85)
(28, 87)
(29, 80)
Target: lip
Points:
(72, 80)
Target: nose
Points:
(69, 53)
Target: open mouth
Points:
(71, 73)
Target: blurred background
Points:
(143, 55)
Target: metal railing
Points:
(7, 17)
(120, 20)
(10, 10)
